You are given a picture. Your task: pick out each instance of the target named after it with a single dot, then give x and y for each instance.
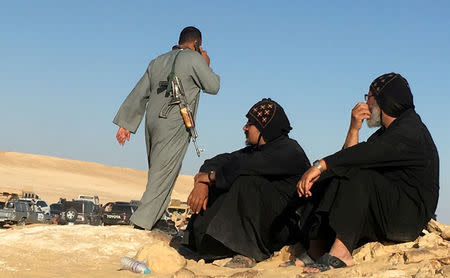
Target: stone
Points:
(439, 228)
(390, 273)
(369, 251)
(247, 274)
(290, 252)
(183, 273)
(221, 262)
(417, 255)
(425, 271)
(445, 261)
(430, 240)
(161, 258)
(396, 259)
(444, 271)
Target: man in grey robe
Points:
(167, 139)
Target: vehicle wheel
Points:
(71, 215)
(21, 222)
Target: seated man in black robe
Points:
(239, 199)
(385, 189)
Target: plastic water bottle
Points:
(133, 265)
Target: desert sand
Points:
(94, 251)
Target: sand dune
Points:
(52, 178)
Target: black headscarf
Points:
(392, 93)
(269, 118)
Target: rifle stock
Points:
(185, 111)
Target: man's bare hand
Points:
(202, 177)
(359, 113)
(205, 55)
(122, 135)
(198, 198)
(307, 180)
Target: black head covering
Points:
(392, 93)
(269, 118)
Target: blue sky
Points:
(66, 66)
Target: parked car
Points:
(80, 212)
(135, 202)
(55, 212)
(21, 213)
(178, 210)
(117, 213)
(55, 209)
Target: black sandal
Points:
(327, 261)
(304, 257)
(240, 261)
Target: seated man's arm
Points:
(198, 198)
(287, 160)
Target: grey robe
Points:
(166, 139)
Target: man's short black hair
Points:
(189, 34)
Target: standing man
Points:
(166, 137)
(384, 189)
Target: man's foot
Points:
(138, 227)
(302, 260)
(326, 262)
(240, 261)
(164, 227)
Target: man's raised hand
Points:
(359, 113)
(122, 135)
(205, 55)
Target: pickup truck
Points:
(21, 213)
(117, 213)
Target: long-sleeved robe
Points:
(166, 139)
(384, 189)
(246, 206)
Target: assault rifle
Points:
(179, 98)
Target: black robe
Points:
(384, 189)
(247, 204)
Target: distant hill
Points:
(53, 177)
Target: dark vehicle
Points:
(55, 209)
(117, 213)
(135, 203)
(79, 212)
(55, 212)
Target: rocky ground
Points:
(95, 251)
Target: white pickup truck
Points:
(93, 199)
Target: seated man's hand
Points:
(202, 177)
(198, 198)
(359, 113)
(307, 180)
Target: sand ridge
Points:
(52, 178)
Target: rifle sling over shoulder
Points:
(170, 104)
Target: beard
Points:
(375, 116)
(247, 143)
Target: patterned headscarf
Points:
(269, 118)
(392, 93)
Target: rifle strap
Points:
(172, 73)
